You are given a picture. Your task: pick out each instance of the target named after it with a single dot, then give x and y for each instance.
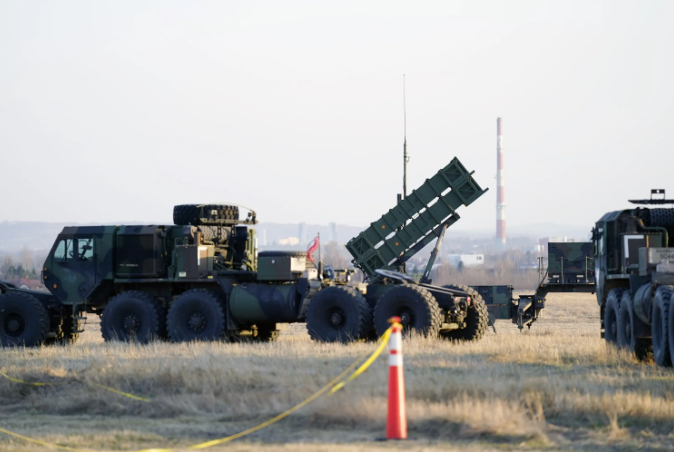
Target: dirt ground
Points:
(556, 387)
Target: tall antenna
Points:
(405, 156)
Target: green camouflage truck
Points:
(635, 278)
(203, 279)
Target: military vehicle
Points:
(203, 279)
(569, 267)
(635, 277)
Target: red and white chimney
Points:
(500, 191)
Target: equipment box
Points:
(280, 265)
(193, 262)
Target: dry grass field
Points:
(556, 387)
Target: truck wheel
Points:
(338, 314)
(417, 308)
(611, 316)
(192, 213)
(197, 315)
(23, 320)
(660, 326)
(477, 319)
(642, 348)
(131, 316)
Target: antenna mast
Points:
(405, 156)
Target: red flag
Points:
(313, 246)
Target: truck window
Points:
(64, 251)
(85, 248)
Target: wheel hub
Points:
(132, 323)
(197, 322)
(14, 325)
(336, 318)
(406, 317)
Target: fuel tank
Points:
(264, 303)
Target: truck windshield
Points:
(64, 251)
(69, 250)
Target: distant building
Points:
(29, 284)
(289, 241)
(468, 260)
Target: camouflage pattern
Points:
(86, 263)
(499, 300)
(570, 262)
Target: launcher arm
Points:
(426, 278)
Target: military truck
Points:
(203, 279)
(635, 277)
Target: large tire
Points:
(416, 307)
(197, 315)
(132, 316)
(660, 326)
(611, 310)
(193, 213)
(338, 314)
(642, 348)
(23, 320)
(477, 319)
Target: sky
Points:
(118, 110)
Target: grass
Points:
(556, 387)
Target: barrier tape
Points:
(16, 380)
(107, 388)
(384, 340)
(335, 382)
(116, 391)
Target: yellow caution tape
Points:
(16, 380)
(125, 394)
(383, 341)
(71, 449)
(107, 388)
(306, 401)
(333, 383)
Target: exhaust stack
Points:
(500, 191)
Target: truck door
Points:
(70, 269)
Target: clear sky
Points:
(118, 110)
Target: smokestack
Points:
(500, 191)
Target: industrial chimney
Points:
(500, 195)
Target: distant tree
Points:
(6, 265)
(26, 257)
(335, 255)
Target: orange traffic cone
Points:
(396, 422)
